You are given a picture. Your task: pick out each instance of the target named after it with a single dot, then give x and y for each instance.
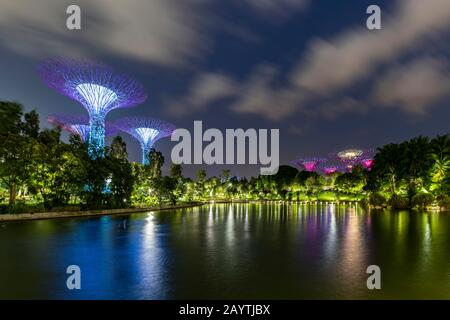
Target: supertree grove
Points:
(78, 125)
(146, 130)
(330, 167)
(351, 157)
(309, 164)
(97, 88)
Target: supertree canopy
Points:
(330, 167)
(351, 157)
(78, 125)
(367, 159)
(97, 88)
(309, 164)
(147, 131)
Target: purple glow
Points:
(367, 163)
(330, 170)
(95, 86)
(146, 130)
(309, 164)
(78, 125)
(351, 157)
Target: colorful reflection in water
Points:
(274, 250)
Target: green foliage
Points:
(443, 201)
(398, 202)
(422, 200)
(376, 199)
(39, 171)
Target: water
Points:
(259, 251)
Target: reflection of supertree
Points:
(97, 88)
(351, 157)
(78, 125)
(309, 164)
(147, 131)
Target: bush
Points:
(398, 202)
(422, 200)
(376, 199)
(327, 196)
(443, 201)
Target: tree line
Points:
(40, 172)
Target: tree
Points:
(14, 146)
(440, 152)
(156, 163)
(122, 179)
(415, 164)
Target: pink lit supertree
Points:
(349, 158)
(309, 164)
(367, 159)
(146, 130)
(330, 167)
(78, 125)
(97, 87)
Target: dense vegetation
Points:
(38, 171)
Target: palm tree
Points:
(440, 147)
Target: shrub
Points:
(376, 199)
(443, 201)
(422, 200)
(326, 196)
(398, 202)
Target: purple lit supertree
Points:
(367, 159)
(97, 88)
(309, 164)
(78, 125)
(330, 167)
(146, 130)
(351, 157)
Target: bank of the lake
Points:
(90, 213)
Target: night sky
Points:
(310, 68)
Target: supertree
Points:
(330, 167)
(146, 130)
(351, 157)
(97, 88)
(78, 125)
(367, 159)
(309, 164)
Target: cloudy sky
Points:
(310, 68)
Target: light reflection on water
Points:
(290, 251)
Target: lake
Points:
(231, 251)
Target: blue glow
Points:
(97, 97)
(147, 136)
(81, 130)
(97, 137)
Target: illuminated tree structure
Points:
(146, 130)
(78, 125)
(97, 88)
(367, 159)
(309, 164)
(351, 157)
(329, 167)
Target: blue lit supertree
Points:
(146, 130)
(97, 88)
(78, 125)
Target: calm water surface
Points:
(261, 251)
